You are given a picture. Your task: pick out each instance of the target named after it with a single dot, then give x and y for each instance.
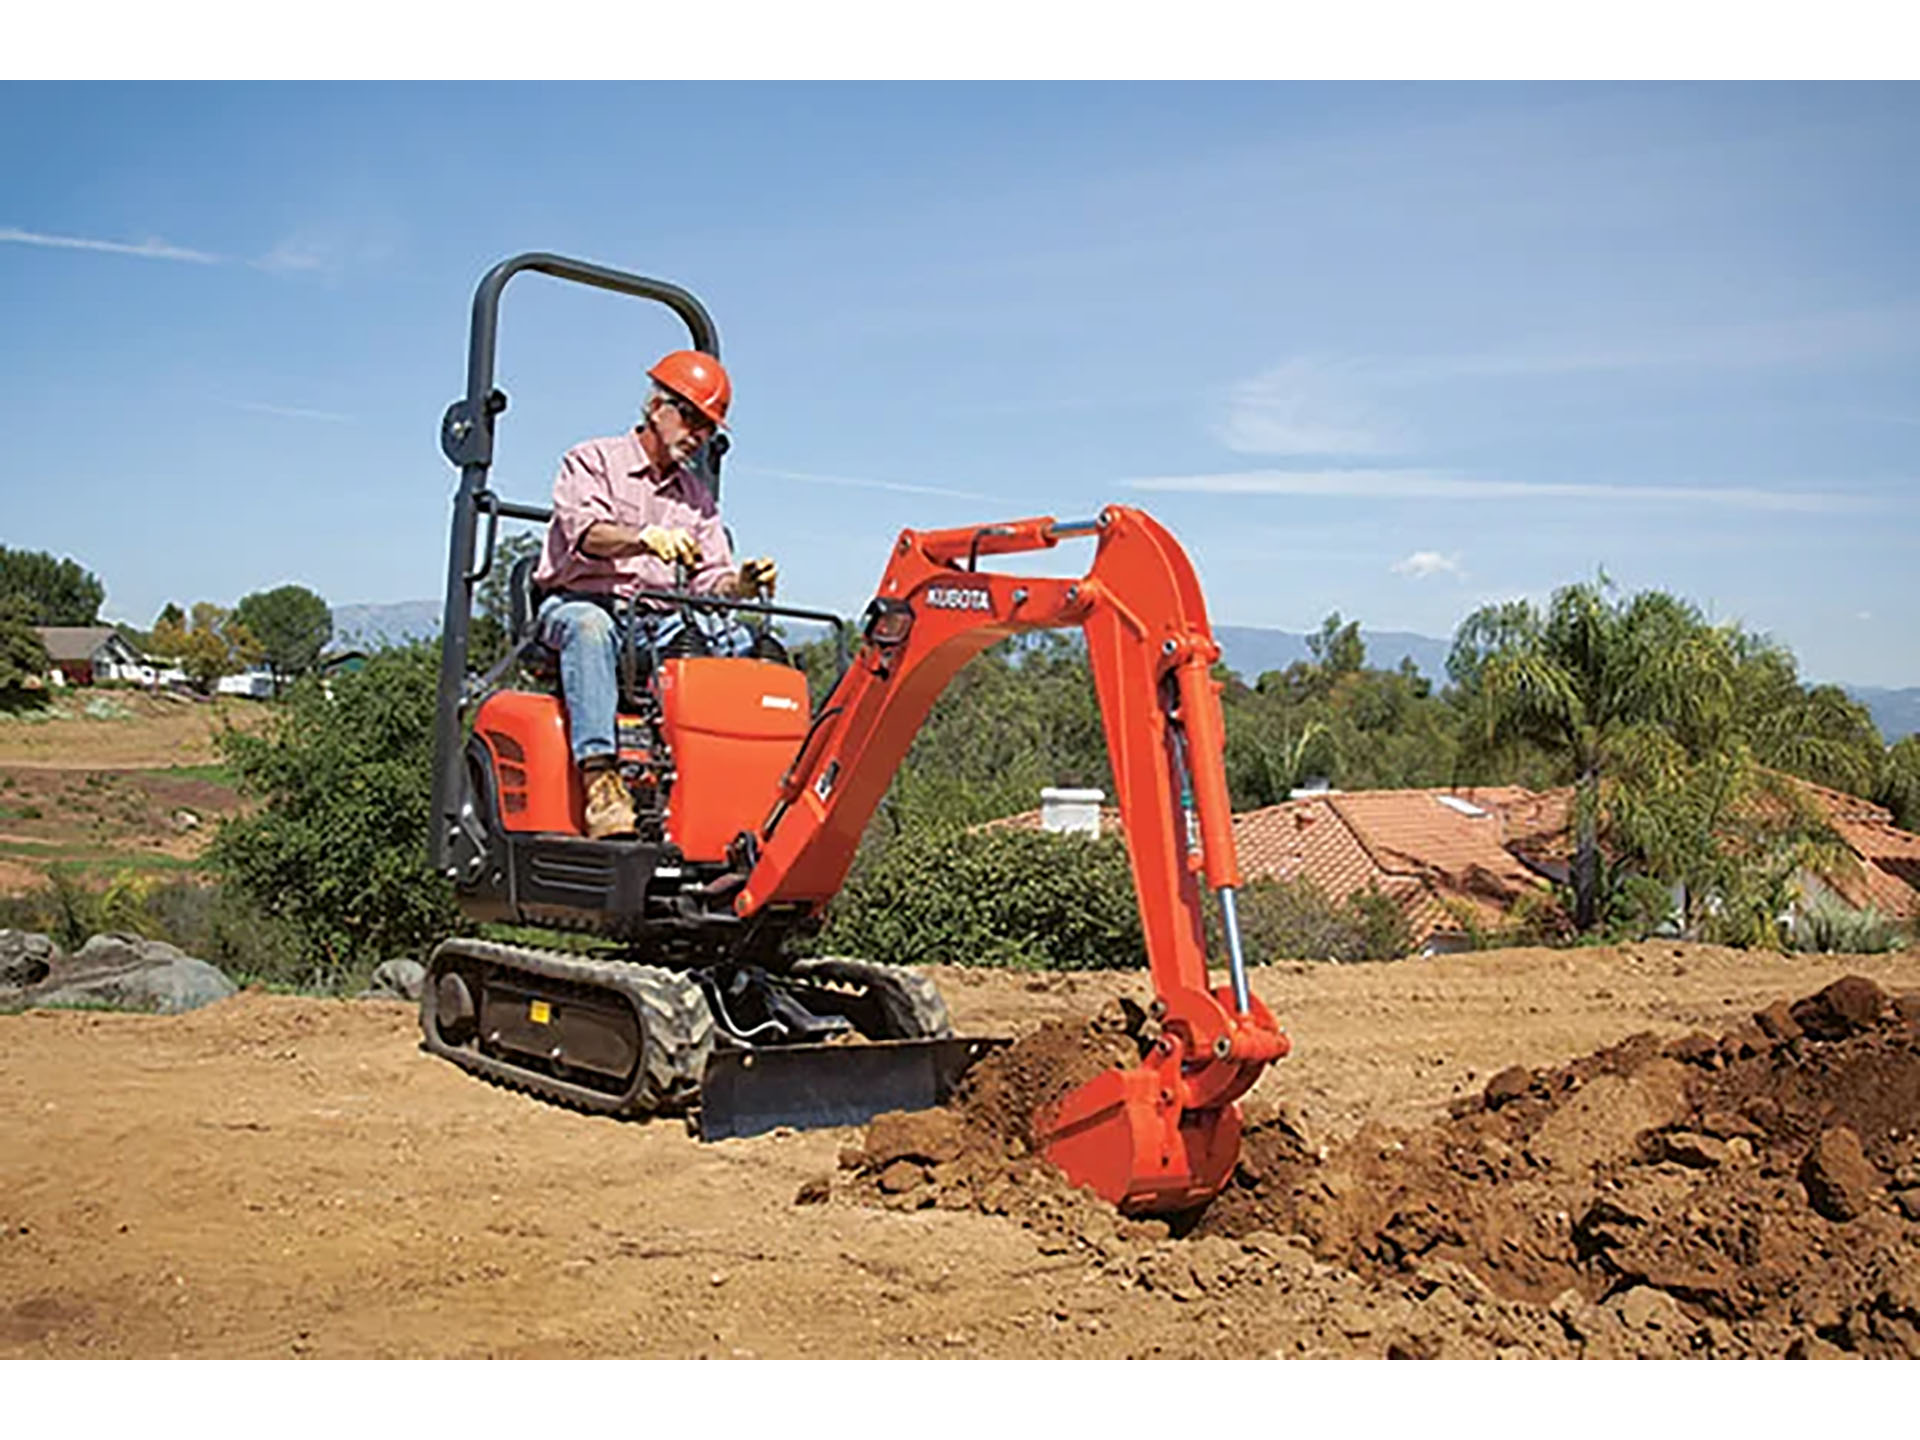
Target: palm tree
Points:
(1635, 687)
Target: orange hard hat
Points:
(698, 379)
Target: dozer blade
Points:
(813, 1087)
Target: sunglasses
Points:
(690, 414)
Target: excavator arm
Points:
(1163, 1136)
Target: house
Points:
(255, 684)
(1439, 855)
(83, 654)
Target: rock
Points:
(1846, 1007)
(126, 972)
(932, 1137)
(1645, 1308)
(1696, 1152)
(1699, 1048)
(1908, 1202)
(1776, 1022)
(1839, 1178)
(901, 1176)
(1577, 1315)
(1604, 1120)
(816, 1191)
(396, 980)
(25, 958)
(1510, 1084)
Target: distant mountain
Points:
(1250, 652)
(1896, 712)
(370, 626)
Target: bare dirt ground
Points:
(282, 1176)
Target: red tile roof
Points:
(1438, 854)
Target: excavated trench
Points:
(1750, 1193)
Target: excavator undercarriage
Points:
(752, 795)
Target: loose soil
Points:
(1654, 1150)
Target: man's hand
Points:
(671, 545)
(756, 578)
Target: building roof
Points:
(67, 644)
(1438, 854)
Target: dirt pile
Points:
(1763, 1186)
(1752, 1193)
(978, 1152)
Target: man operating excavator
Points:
(628, 509)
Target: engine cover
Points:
(732, 727)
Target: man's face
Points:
(680, 428)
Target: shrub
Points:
(213, 924)
(1020, 898)
(1297, 920)
(1826, 926)
(337, 850)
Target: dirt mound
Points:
(1766, 1182)
(1752, 1193)
(978, 1152)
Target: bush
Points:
(1297, 920)
(1020, 898)
(207, 922)
(1828, 927)
(337, 849)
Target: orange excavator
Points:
(752, 797)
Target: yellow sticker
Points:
(539, 1012)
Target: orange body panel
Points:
(732, 727)
(533, 768)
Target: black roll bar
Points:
(466, 438)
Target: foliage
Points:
(57, 592)
(1829, 927)
(1295, 919)
(1898, 785)
(212, 643)
(492, 628)
(23, 658)
(338, 849)
(1018, 717)
(208, 922)
(1002, 897)
(291, 625)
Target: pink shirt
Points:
(611, 479)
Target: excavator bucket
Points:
(1124, 1136)
(811, 1087)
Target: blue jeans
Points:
(587, 639)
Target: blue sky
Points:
(1391, 350)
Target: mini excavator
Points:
(752, 796)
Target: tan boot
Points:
(609, 805)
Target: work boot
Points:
(609, 805)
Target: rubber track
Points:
(676, 1028)
(909, 999)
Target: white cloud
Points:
(853, 482)
(1413, 484)
(146, 249)
(1304, 407)
(291, 412)
(1422, 563)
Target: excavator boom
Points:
(1163, 1136)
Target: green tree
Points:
(337, 846)
(1639, 686)
(291, 624)
(23, 658)
(57, 592)
(208, 644)
(1899, 784)
(492, 628)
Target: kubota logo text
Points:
(954, 597)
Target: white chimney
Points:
(1071, 811)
